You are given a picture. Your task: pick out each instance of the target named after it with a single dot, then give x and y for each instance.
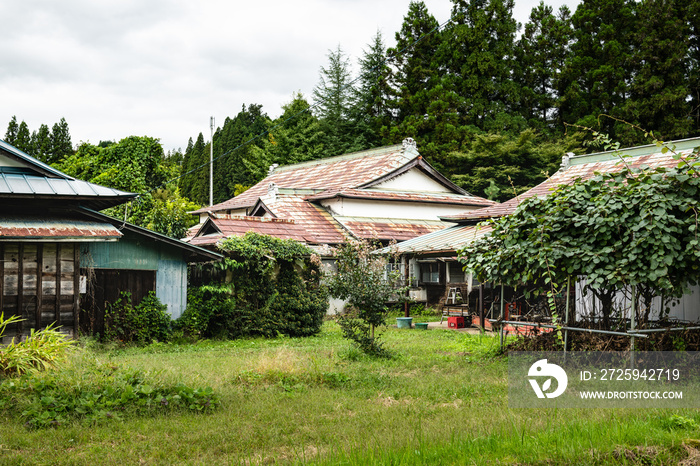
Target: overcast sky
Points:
(161, 68)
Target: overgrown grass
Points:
(441, 399)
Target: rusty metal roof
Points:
(376, 194)
(583, 167)
(215, 229)
(447, 240)
(28, 228)
(387, 229)
(319, 225)
(343, 171)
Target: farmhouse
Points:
(62, 258)
(438, 277)
(385, 194)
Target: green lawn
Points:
(442, 399)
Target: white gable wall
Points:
(345, 207)
(415, 181)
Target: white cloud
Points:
(160, 68)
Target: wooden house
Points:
(62, 259)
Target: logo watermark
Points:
(604, 379)
(541, 369)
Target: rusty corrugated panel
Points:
(447, 240)
(389, 229)
(343, 171)
(404, 196)
(16, 227)
(579, 170)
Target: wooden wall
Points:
(40, 283)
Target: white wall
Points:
(344, 207)
(686, 309)
(413, 180)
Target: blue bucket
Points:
(404, 322)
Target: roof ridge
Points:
(349, 156)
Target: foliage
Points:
(267, 286)
(502, 167)
(41, 350)
(636, 227)
(146, 322)
(47, 146)
(362, 279)
(105, 393)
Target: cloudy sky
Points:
(161, 68)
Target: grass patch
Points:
(441, 399)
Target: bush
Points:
(41, 350)
(144, 323)
(265, 286)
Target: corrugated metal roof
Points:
(447, 240)
(581, 168)
(39, 180)
(343, 171)
(376, 194)
(239, 226)
(24, 227)
(388, 229)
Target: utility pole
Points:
(211, 163)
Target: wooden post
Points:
(481, 305)
(58, 284)
(39, 286)
(20, 285)
(76, 289)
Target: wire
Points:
(301, 112)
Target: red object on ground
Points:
(455, 322)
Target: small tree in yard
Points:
(363, 280)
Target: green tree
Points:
(296, 135)
(194, 182)
(41, 143)
(362, 280)
(501, 167)
(333, 99)
(371, 111)
(241, 155)
(635, 228)
(478, 53)
(415, 80)
(540, 55)
(23, 141)
(61, 146)
(659, 89)
(597, 75)
(11, 133)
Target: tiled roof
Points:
(333, 173)
(583, 167)
(403, 196)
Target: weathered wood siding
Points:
(134, 252)
(39, 282)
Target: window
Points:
(430, 272)
(456, 274)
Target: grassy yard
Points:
(442, 399)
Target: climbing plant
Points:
(633, 228)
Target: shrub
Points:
(144, 323)
(41, 350)
(265, 286)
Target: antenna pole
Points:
(211, 163)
